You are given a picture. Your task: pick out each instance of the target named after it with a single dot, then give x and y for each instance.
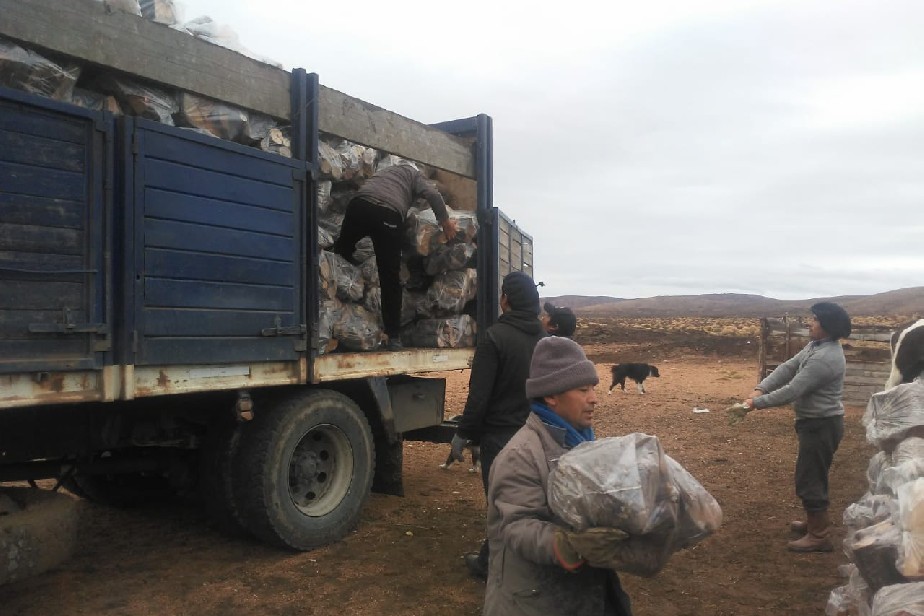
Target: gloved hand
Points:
(458, 446)
(598, 547)
(737, 412)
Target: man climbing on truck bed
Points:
(379, 211)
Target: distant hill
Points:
(902, 302)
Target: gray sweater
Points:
(813, 381)
(398, 187)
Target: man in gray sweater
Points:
(813, 381)
(378, 211)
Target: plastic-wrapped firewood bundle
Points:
(868, 510)
(629, 483)
(895, 414)
(424, 233)
(339, 278)
(874, 550)
(358, 329)
(356, 161)
(277, 141)
(907, 464)
(851, 599)
(412, 275)
(95, 101)
(372, 301)
(145, 101)
(450, 291)
(330, 312)
(414, 305)
(329, 159)
(161, 11)
(221, 120)
(23, 69)
(446, 257)
(911, 520)
(899, 600)
(877, 462)
(447, 333)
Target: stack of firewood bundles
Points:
(629, 483)
(94, 88)
(885, 527)
(438, 277)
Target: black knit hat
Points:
(832, 318)
(562, 318)
(558, 365)
(521, 292)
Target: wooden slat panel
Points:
(217, 268)
(40, 211)
(47, 153)
(40, 295)
(201, 323)
(200, 210)
(187, 294)
(41, 182)
(216, 155)
(214, 350)
(39, 123)
(217, 185)
(29, 238)
(865, 380)
(184, 236)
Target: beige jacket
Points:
(524, 576)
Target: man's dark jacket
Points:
(497, 386)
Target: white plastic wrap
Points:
(900, 600)
(219, 119)
(330, 312)
(877, 462)
(910, 561)
(329, 158)
(165, 12)
(414, 305)
(452, 290)
(26, 70)
(868, 510)
(874, 550)
(447, 257)
(629, 483)
(138, 99)
(907, 464)
(425, 235)
(895, 414)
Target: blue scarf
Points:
(572, 436)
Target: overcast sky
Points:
(660, 148)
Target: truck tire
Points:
(304, 470)
(38, 534)
(216, 474)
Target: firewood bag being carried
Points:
(629, 483)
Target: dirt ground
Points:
(405, 556)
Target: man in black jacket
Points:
(497, 406)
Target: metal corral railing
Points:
(869, 360)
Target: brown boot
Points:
(816, 538)
(798, 526)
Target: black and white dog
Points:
(634, 371)
(471, 446)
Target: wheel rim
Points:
(320, 470)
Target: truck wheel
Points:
(216, 472)
(304, 470)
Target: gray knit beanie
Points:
(558, 364)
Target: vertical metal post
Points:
(487, 215)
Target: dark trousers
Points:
(818, 440)
(491, 444)
(385, 227)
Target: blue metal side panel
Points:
(55, 169)
(218, 235)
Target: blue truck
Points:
(159, 289)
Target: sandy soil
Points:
(405, 556)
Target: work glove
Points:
(598, 547)
(737, 412)
(458, 447)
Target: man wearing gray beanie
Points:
(534, 558)
(813, 381)
(497, 406)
